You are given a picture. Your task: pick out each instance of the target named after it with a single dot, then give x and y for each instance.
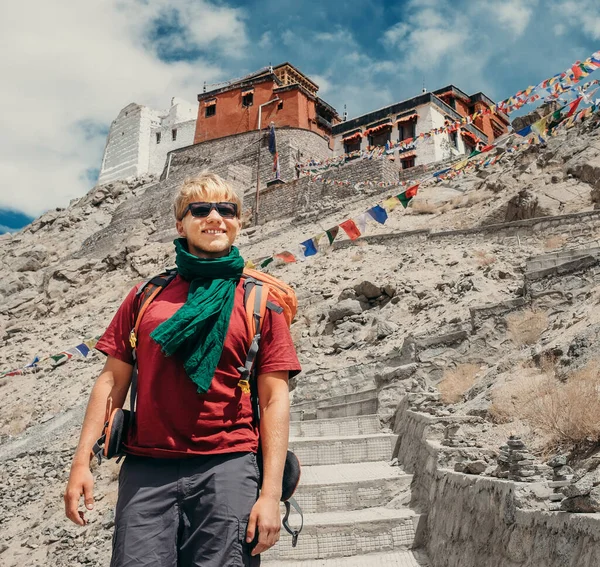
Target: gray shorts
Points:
(185, 512)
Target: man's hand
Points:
(265, 517)
(81, 483)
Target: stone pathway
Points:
(355, 504)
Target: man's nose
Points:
(214, 215)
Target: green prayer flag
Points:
(332, 233)
(266, 262)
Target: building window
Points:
(406, 131)
(174, 134)
(381, 137)
(453, 139)
(210, 110)
(158, 137)
(409, 162)
(352, 146)
(280, 105)
(248, 99)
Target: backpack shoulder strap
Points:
(145, 295)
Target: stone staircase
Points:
(355, 504)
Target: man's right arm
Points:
(112, 383)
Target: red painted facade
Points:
(231, 113)
(492, 125)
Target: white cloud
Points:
(266, 40)
(396, 33)
(72, 66)
(583, 14)
(512, 15)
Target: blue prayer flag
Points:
(378, 213)
(309, 247)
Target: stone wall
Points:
(241, 151)
(304, 195)
(578, 224)
(475, 521)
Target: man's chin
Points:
(212, 249)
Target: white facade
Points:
(131, 147)
(438, 147)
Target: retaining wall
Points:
(305, 195)
(577, 224)
(475, 521)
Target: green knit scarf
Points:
(196, 332)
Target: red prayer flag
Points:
(573, 106)
(411, 191)
(286, 256)
(350, 229)
(577, 72)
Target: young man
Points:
(188, 488)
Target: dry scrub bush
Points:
(510, 401)
(483, 258)
(554, 242)
(526, 327)
(456, 382)
(567, 412)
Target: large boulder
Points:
(345, 308)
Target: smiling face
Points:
(211, 236)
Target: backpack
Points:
(259, 289)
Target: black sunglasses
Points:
(203, 209)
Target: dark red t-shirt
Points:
(172, 418)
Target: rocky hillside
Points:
(485, 289)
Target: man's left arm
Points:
(273, 395)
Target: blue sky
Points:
(67, 81)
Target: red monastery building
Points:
(492, 125)
(283, 95)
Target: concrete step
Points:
(337, 450)
(329, 488)
(342, 426)
(345, 405)
(390, 559)
(344, 534)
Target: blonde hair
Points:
(205, 187)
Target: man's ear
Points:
(180, 229)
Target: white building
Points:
(140, 138)
(404, 121)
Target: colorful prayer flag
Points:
(378, 213)
(310, 248)
(266, 262)
(286, 256)
(391, 203)
(573, 106)
(332, 233)
(350, 229)
(408, 195)
(83, 349)
(361, 222)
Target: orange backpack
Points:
(283, 295)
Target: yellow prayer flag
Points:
(250, 264)
(460, 164)
(391, 203)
